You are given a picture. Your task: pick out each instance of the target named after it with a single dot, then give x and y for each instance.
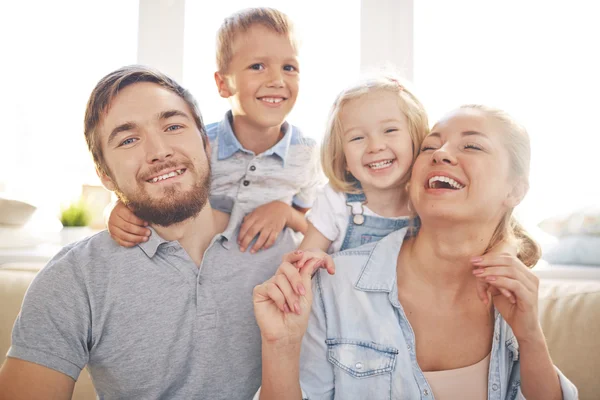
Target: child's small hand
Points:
(125, 228)
(310, 258)
(267, 221)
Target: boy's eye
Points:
(127, 141)
(257, 67)
(290, 68)
(174, 128)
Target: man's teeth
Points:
(380, 164)
(272, 99)
(449, 181)
(167, 176)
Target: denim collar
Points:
(379, 272)
(229, 145)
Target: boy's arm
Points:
(124, 226)
(25, 380)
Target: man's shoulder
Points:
(97, 248)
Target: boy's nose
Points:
(276, 79)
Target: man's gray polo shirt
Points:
(146, 320)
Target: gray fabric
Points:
(146, 321)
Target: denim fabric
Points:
(372, 229)
(360, 345)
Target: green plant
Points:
(76, 214)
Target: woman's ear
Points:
(517, 194)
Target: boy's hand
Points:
(125, 228)
(267, 221)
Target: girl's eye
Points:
(173, 128)
(390, 130)
(290, 68)
(354, 139)
(127, 141)
(257, 67)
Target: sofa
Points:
(569, 310)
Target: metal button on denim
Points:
(358, 365)
(494, 387)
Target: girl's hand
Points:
(282, 305)
(311, 258)
(125, 228)
(507, 273)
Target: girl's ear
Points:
(516, 195)
(222, 86)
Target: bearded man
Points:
(170, 318)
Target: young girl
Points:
(373, 135)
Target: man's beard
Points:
(169, 209)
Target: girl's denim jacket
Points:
(360, 345)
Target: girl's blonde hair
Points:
(516, 142)
(333, 159)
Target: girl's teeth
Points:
(381, 164)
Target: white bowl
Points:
(15, 212)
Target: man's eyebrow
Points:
(172, 113)
(127, 126)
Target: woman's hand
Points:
(311, 258)
(282, 304)
(505, 272)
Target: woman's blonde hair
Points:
(333, 159)
(240, 21)
(516, 141)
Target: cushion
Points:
(584, 221)
(15, 212)
(574, 249)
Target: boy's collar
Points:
(229, 145)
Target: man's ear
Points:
(106, 180)
(222, 86)
(517, 194)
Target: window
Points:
(57, 52)
(537, 61)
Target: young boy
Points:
(263, 169)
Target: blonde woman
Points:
(400, 319)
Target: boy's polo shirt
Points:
(148, 322)
(289, 171)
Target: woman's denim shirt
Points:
(360, 345)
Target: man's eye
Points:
(290, 68)
(127, 141)
(257, 67)
(173, 128)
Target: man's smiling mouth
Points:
(167, 175)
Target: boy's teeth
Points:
(272, 99)
(449, 181)
(166, 176)
(380, 164)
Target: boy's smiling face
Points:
(261, 81)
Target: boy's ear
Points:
(106, 180)
(517, 194)
(222, 87)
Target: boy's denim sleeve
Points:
(316, 372)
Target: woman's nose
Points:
(443, 156)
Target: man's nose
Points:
(157, 148)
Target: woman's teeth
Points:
(166, 176)
(443, 182)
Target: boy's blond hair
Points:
(241, 21)
(332, 151)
